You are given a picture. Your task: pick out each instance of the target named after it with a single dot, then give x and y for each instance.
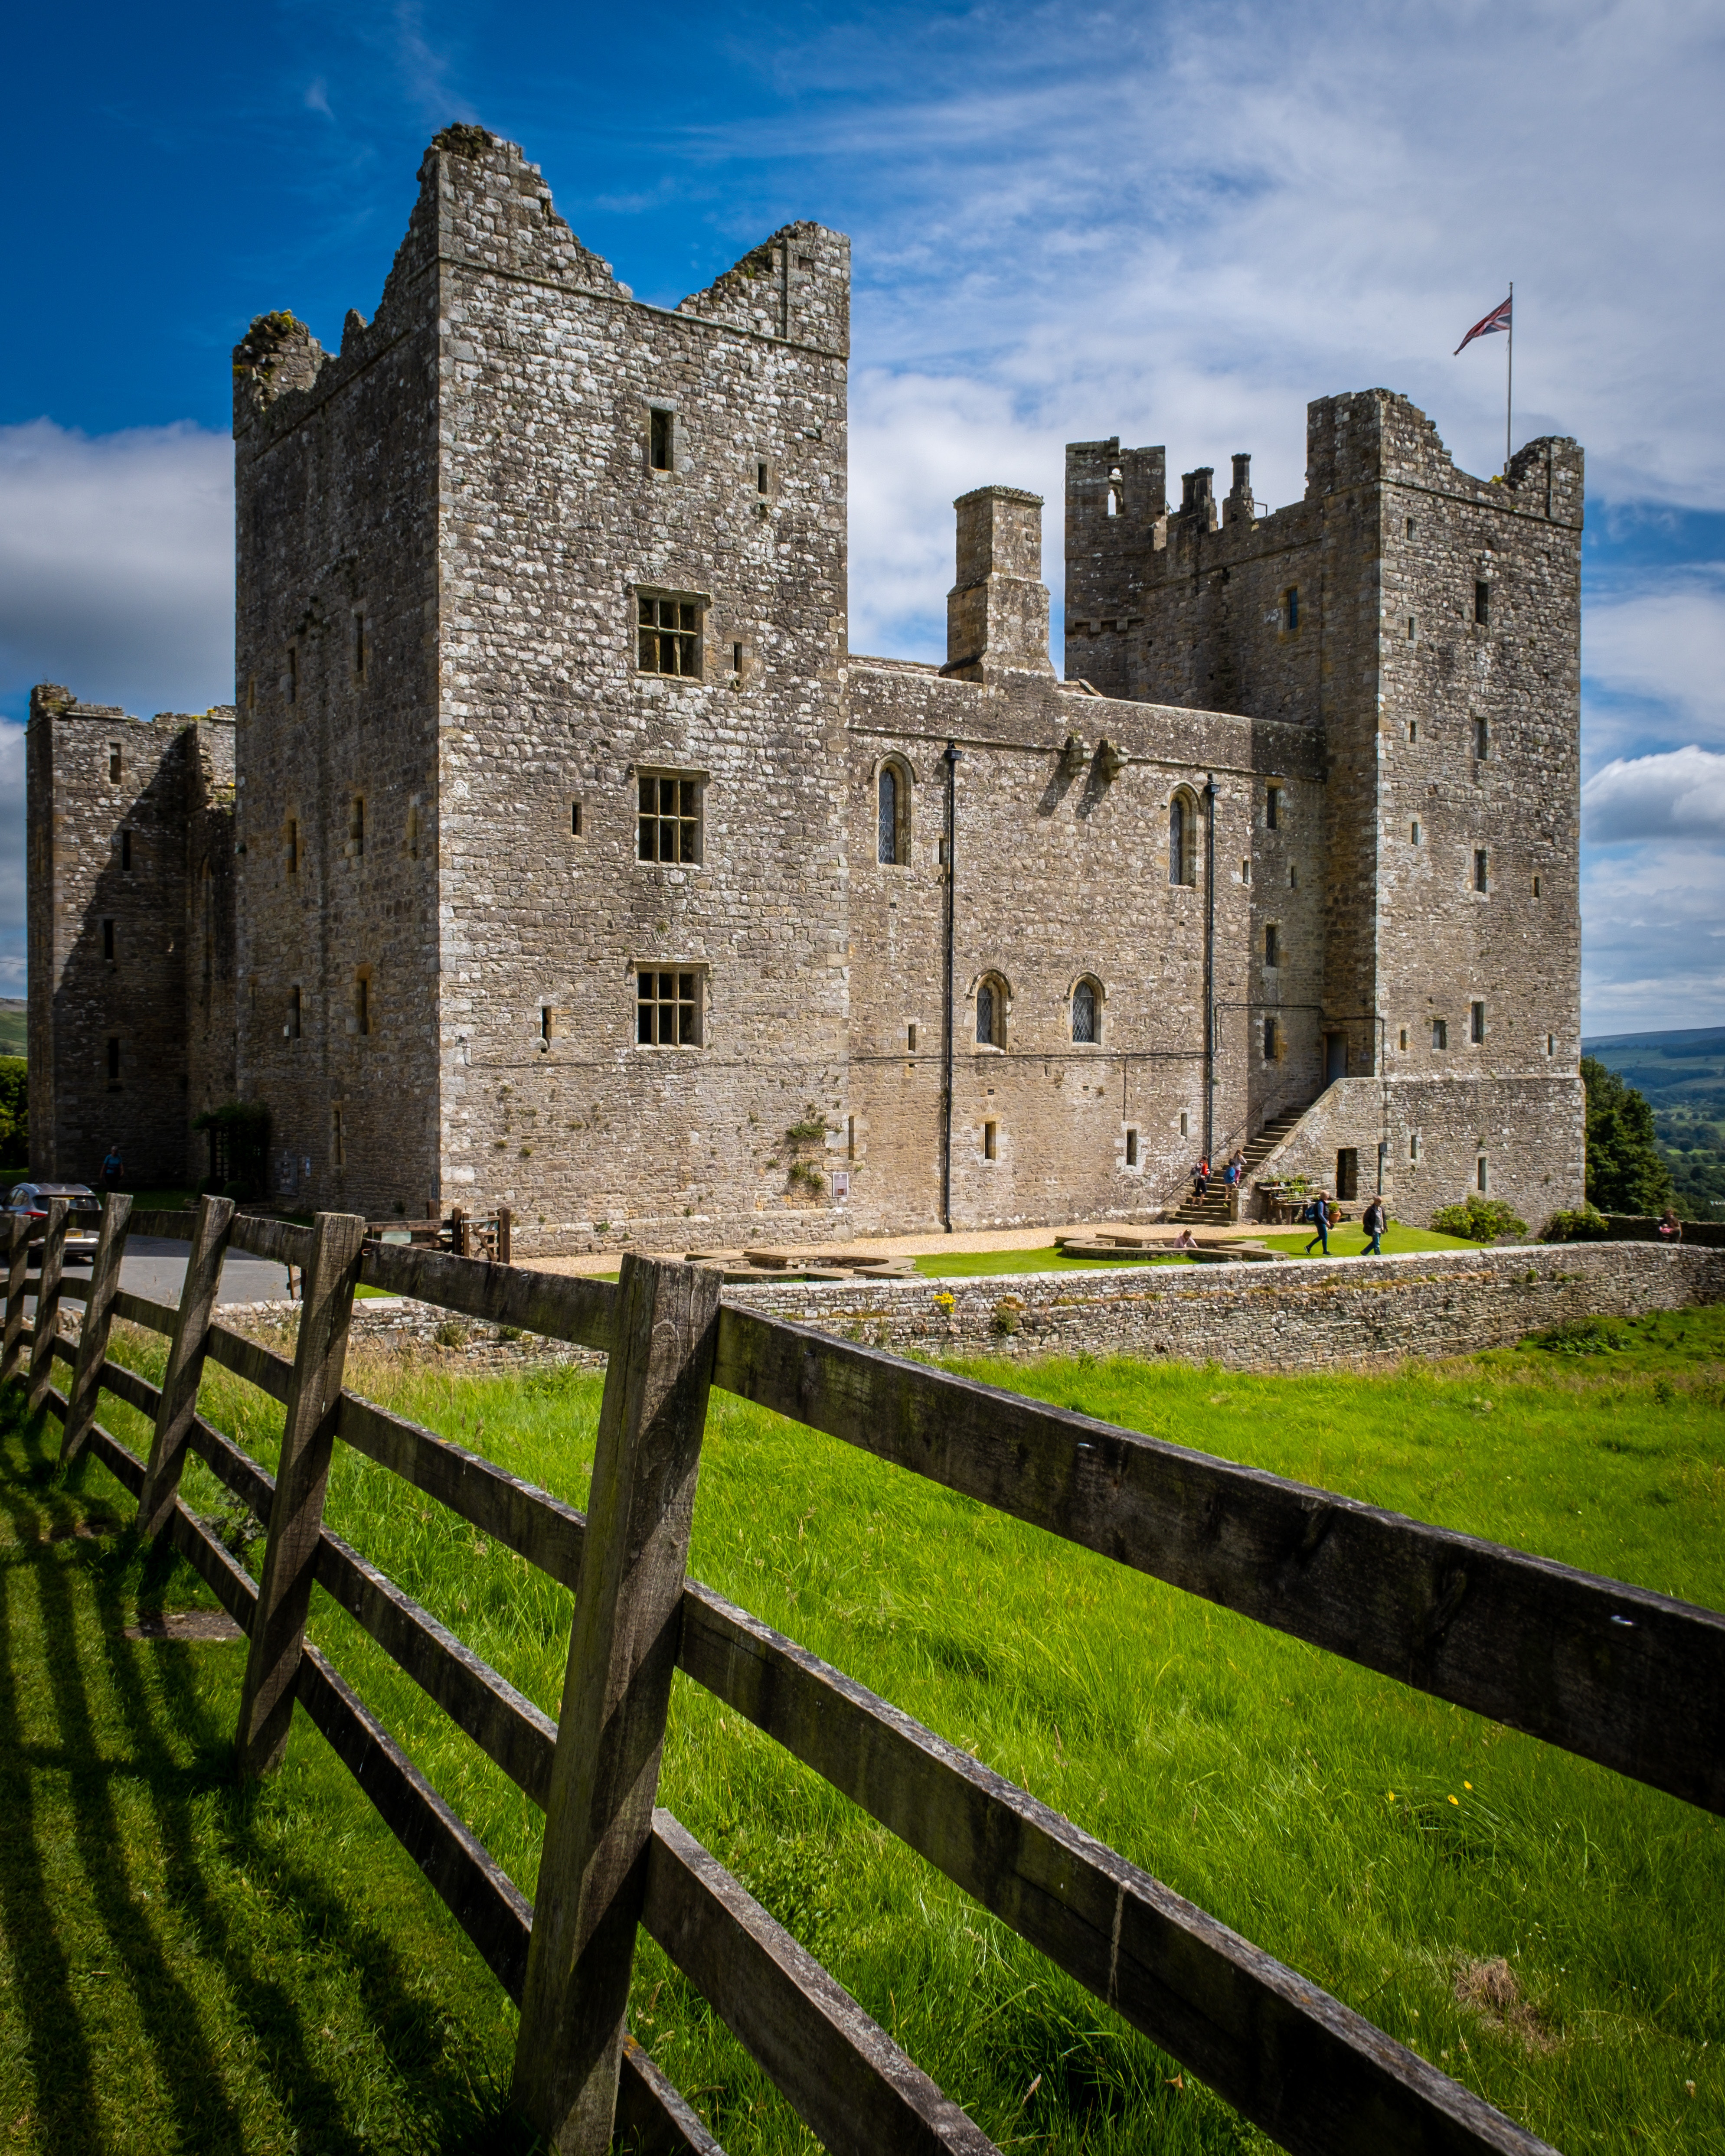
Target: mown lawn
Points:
(186, 1969)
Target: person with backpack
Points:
(1317, 1215)
(1375, 1221)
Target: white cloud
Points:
(116, 565)
(1661, 644)
(1678, 795)
(1654, 951)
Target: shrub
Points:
(1479, 1221)
(1582, 1335)
(1587, 1225)
(1624, 1171)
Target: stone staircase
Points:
(1213, 1213)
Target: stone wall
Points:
(1295, 1315)
(131, 935)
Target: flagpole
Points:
(1509, 380)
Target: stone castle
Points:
(558, 852)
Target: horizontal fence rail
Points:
(1583, 1662)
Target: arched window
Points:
(1086, 1013)
(991, 1012)
(892, 813)
(1182, 839)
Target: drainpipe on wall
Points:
(1210, 964)
(953, 758)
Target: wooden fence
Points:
(1615, 1674)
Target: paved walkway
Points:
(155, 1266)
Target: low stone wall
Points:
(1292, 1314)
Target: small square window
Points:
(661, 438)
(668, 1008)
(667, 633)
(669, 825)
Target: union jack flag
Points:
(1498, 319)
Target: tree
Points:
(14, 1108)
(1624, 1171)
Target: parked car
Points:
(84, 1206)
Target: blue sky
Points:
(1173, 224)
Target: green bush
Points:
(1582, 1335)
(1479, 1221)
(14, 1107)
(1587, 1225)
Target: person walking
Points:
(1374, 1222)
(1201, 1180)
(113, 1168)
(1317, 1216)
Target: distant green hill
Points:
(11, 1025)
(1682, 1076)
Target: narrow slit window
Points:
(991, 1012)
(293, 674)
(575, 819)
(887, 816)
(359, 647)
(1245, 871)
(1440, 1033)
(910, 1039)
(661, 438)
(1272, 1038)
(991, 1141)
(1536, 886)
(668, 630)
(113, 1059)
(668, 823)
(1184, 1131)
(547, 1025)
(1551, 1044)
(1481, 871)
(851, 1137)
(338, 1136)
(295, 1011)
(1131, 1149)
(1476, 1022)
(668, 1008)
(1272, 807)
(1291, 608)
(736, 658)
(108, 941)
(1482, 1172)
(761, 476)
(1403, 1037)
(1413, 628)
(113, 763)
(356, 825)
(1481, 739)
(1413, 730)
(1482, 602)
(1414, 832)
(363, 1004)
(1412, 1147)
(293, 845)
(1272, 944)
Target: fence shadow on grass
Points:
(73, 1580)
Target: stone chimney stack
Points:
(996, 612)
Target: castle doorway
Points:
(1335, 1057)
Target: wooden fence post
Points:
(98, 1316)
(47, 1319)
(623, 1648)
(266, 1702)
(18, 1268)
(506, 1224)
(185, 1364)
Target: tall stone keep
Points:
(579, 865)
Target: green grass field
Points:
(188, 1968)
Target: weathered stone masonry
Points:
(528, 554)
